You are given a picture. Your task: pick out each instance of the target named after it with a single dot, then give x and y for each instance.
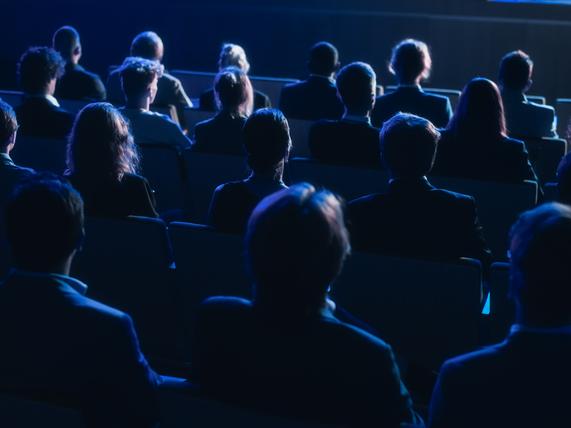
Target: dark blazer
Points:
(345, 142)
(208, 101)
(415, 219)
(310, 367)
(10, 176)
(222, 134)
(522, 382)
(525, 119)
(313, 99)
(435, 108)
(79, 84)
(38, 117)
(59, 345)
(116, 199)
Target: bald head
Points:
(148, 45)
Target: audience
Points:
(233, 55)
(267, 144)
(223, 133)
(76, 82)
(58, 344)
(415, 219)
(285, 351)
(316, 97)
(139, 79)
(523, 381)
(411, 64)
(40, 114)
(102, 165)
(351, 140)
(564, 180)
(524, 119)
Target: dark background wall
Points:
(467, 37)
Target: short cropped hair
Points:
(323, 59)
(232, 55)
(66, 41)
(516, 69)
(410, 60)
(356, 84)
(541, 263)
(234, 91)
(8, 124)
(44, 223)
(408, 145)
(37, 67)
(137, 74)
(147, 45)
(296, 243)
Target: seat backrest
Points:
(537, 99)
(14, 98)
(73, 106)
(545, 155)
(41, 154)
(550, 192)
(192, 116)
(502, 309)
(299, 131)
(271, 86)
(18, 412)
(563, 110)
(194, 82)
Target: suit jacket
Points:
(310, 367)
(522, 382)
(208, 101)
(345, 142)
(79, 84)
(39, 117)
(525, 119)
(406, 99)
(59, 345)
(415, 219)
(153, 127)
(313, 99)
(222, 134)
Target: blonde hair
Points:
(232, 55)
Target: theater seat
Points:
(563, 110)
(299, 132)
(14, 98)
(41, 154)
(502, 310)
(545, 154)
(192, 116)
(18, 412)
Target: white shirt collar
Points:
(52, 100)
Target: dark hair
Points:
(408, 145)
(66, 41)
(296, 243)
(541, 264)
(410, 60)
(234, 91)
(479, 116)
(8, 124)
(356, 85)
(100, 144)
(37, 67)
(515, 71)
(137, 74)
(147, 45)
(564, 179)
(266, 140)
(323, 59)
(44, 223)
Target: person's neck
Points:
(139, 104)
(355, 113)
(60, 268)
(274, 176)
(410, 83)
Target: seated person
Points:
(524, 119)
(103, 162)
(564, 180)
(351, 140)
(233, 55)
(415, 219)
(316, 97)
(139, 79)
(475, 144)
(267, 144)
(76, 82)
(223, 133)
(40, 115)
(285, 351)
(57, 344)
(523, 381)
(411, 64)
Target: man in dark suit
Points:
(411, 63)
(76, 83)
(287, 351)
(524, 119)
(39, 114)
(351, 140)
(523, 381)
(58, 344)
(316, 97)
(415, 219)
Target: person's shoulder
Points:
(356, 338)
(169, 79)
(130, 180)
(451, 197)
(366, 201)
(221, 306)
(435, 98)
(294, 86)
(231, 188)
(471, 362)
(93, 311)
(541, 108)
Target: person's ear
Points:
(77, 51)
(80, 240)
(528, 85)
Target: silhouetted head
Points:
(564, 180)
(408, 145)
(8, 127)
(38, 70)
(267, 141)
(234, 92)
(479, 116)
(410, 61)
(139, 79)
(323, 59)
(356, 84)
(44, 224)
(296, 244)
(541, 266)
(516, 69)
(66, 41)
(148, 45)
(232, 55)
(100, 144)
